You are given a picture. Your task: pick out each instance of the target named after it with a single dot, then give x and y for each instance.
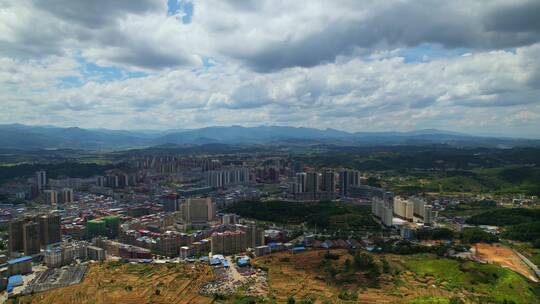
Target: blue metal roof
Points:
(20, 260)
(15, 280)
(243, 262)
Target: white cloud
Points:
(326, 64)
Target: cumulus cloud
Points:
(296, 34)
(97, 13)
(335, 64)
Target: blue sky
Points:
(89, 71)
(428, 52)
(183, 7)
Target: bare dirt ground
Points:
(298, 275)
(128, 283)
(504, 256)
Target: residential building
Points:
(228, 242)
(254, 236)
(50, 229)
(67, 195)
(51, 197)
(31, 239)
(403, 208)
(428, 214)
(15, 241)
(198, 210)
(41, 180)
(328, 181)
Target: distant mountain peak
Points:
(19, 136)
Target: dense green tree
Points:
(477, 235)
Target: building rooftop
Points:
(15, 280)
(20, 260)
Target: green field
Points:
(527, 250)
(430, 300)
(520, 224)
(469, 209)
(488, 282)
(409, 170)
(499, 180)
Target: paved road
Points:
(529, 263)
(234, 272)
(3, 297)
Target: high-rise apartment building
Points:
(31, 237)
(29, 234)
(382, 209)
(354, 177)
(67, 195)
(50, 229)
(418, 206)
(41, 180)
(229, 219)
(343, 183)
(228, 242)
(254, 236)
(428, 214)
(312, 182)
(403, 208)
(108, 226)
(51, 197)
(348, 179)
(198, 210)
(101, 181)
(15, 241)
(226, 177)
(301, 180)
(329, 181)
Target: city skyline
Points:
(464, 66)
(269, 151)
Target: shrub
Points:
(331, 256)
(477, 235)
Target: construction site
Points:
(230, 279)
(115, 282)
(55, 278)
(505, 257)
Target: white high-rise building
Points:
(403, 208)
(418, 204)
(222, 178)
(428, 214)
(382, 210)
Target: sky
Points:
(470, 66)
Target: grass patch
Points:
(494, 282)
(430, 300)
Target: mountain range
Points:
(24, 137)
